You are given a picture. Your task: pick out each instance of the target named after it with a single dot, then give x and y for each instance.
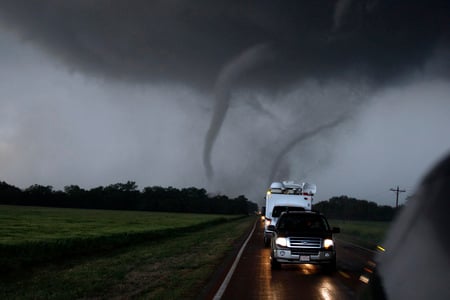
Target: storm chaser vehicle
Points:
(286, 196)
(303, 238)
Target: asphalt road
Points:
(254, 279)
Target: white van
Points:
(286, 196)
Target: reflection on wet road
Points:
(254, 279)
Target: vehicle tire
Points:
(274, 264)
(330, 268)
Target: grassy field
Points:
(365, 233)
(175, 263)
(33, 235)
(22, 224)
(49, 253)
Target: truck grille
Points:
(300, 242)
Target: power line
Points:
(397, 191)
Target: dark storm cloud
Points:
(179, 40)
(196, 43)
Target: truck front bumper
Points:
(295, 256)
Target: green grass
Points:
(365, 233)
(22, 224)
(32, 235)
(175, 267)
(124, 254)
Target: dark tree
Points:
(347, 208)
(126, 196)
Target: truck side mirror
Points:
(271, 227)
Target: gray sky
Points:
(93, 94)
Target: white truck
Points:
(286, 196)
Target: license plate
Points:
(304, 258)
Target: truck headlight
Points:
(281, 241)
(328, 243)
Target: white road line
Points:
(227, 279)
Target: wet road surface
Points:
(254, 279)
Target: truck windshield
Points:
(310, 223)
(277, 210)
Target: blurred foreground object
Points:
(416, 263)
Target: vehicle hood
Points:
(286, 233)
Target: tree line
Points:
(127, 196)
(346, 208)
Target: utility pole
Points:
(397, 191)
